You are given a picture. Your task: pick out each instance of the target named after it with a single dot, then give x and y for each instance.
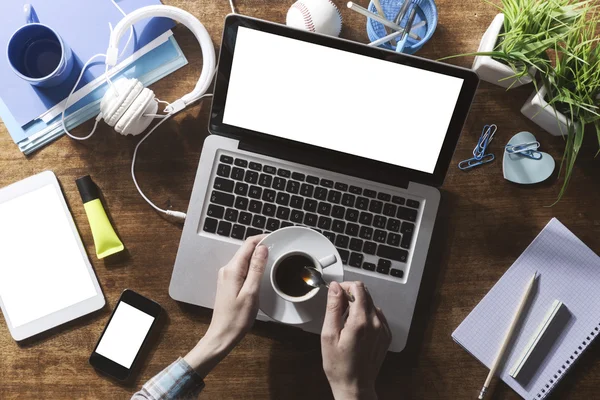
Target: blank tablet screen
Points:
(42, 269)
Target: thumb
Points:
(256, 270)
(333, 324)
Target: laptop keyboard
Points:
(371, 230)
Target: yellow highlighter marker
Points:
(105, 238)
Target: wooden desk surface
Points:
(484, 223)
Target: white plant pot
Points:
(491, 70)
(537, 109)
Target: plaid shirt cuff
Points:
(177, 381)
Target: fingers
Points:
(256, 270)
(362, 304)
(333, 323)
(244, 253)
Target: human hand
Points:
(354, 350)
(236, 306)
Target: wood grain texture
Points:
(484, 223)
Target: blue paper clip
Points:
(479, 152)
(528, 150)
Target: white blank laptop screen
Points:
(339, 100)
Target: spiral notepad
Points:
(568, 271)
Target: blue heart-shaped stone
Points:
(524, 170)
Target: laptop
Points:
(311, 130)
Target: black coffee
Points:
(288, 275)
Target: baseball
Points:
(321, 16)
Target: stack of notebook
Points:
(33, 115)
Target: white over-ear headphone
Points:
(127, 105)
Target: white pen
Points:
(391, 36)
(369, 14)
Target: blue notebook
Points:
(569, 272)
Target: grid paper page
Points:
(568, 271)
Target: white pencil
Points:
(508, 336)
(391, 36)
(385, 22)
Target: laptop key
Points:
(338, 212)
(238, 232)
(285, 224)
(251, 176)
(245, 218)
(307, 190)
(310, 219)
(292, 187)
(393, 225)
(365, 218)
(355, 190)
(338, 226)
(224, 228)
(223, 170)
(226, 159)
(320, 193)
(255, 206)
(327, 183)
(383, 266)
(223, 184)
(348, 200)
(224, 199)
(298, 176)
(241, 163)
(269, 195)
(356, 260)
(210, 225)
(379, 222)
(255, 192)
(258, 221)
(356, 244)
(310, 205)
(406, 240)
(296, 202)
(272, 224)
(284, 173)
(407, 227)
(253, 232)
(398, 273)
(330, 236)
(408, 214)
(324, 208)
(324, 222)
(362, 203)
(351, 215)
(269, 169)
(389, 209)
(352, 229)
(265, 180)
(283, 212)
(342, 241)
(341, 186)
(412, 203)
(297, 216)
(366, 232)
(379, 236)
(369, 193)
(334, 196)
(241, 203)
(369, 248)
(269, 210)
(283, 199)
(344, 254)
(312, 179)
(384, 196)
(231, 215)
(392, 253)
(255, 166)
(279, 183)
(398, 200)
(237, 174)
(375, 206)
(368, 266)
(393, 239)
(241, 189)
(215, 211)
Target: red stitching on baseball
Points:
(305, 15)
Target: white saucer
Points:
(306, 240)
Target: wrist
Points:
(350, 392)
(206, 355)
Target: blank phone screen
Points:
(125, 334)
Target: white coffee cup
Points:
(318, 264)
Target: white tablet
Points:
(46, 278)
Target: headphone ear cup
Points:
(113, 106)
(133, 122)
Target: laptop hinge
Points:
(301, 156)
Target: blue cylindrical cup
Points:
(38, 55)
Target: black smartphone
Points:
(127, 333)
